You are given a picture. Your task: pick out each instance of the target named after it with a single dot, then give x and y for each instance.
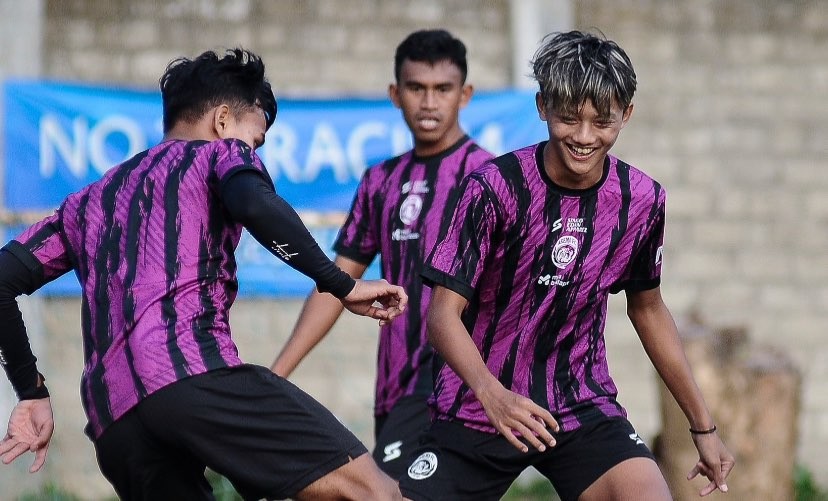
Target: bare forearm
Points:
(318, 316)
(451, 340)
(661, 341)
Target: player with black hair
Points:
(522, 275)
(400, 207)
(152, 244)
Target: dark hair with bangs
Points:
(431, 46)
(573, 67)
(190, 87)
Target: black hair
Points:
(574, 66)
(431, 46)
(190, 87)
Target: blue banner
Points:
(60, 137)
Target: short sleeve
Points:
(358, 239)
(457, 260)
(232, 155)
(645, 267)
(42, 248)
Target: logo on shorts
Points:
(392, 451)
(635, 438)
(423, 467)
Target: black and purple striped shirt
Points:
(152, 246)
(537, 263)
(400, 208)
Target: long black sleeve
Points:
(16, 354)
(251, 200)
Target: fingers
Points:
(16, 451)
(715, 475)
(709, 488)
(40, 459)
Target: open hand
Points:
(30, 429)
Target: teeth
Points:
(581, 151)
(428, 124)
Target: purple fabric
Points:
(153, 249)
(537, 263)
(400, 207)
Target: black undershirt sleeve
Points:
(251, 200)
(16, 354)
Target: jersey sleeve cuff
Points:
(432, 276)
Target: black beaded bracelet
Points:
(703, 432)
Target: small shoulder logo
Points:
(423, 467)
(659, 254)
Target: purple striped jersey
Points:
(536, 263)
(152, 247)
(400, 207)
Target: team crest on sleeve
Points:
(423, 467)
(565, 251)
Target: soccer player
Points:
(152, 244)
(398, 211)
(521, 278)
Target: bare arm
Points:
(318, 316)
(507, 411)
(659, 336)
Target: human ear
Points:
(541, 106)
(627, 114)
(466, 94)
(221, 119)
(394, 94)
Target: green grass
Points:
(536, 490)
(806, 488)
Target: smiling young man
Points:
(521, 278)
(400, 207)
(152, 244)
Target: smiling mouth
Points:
(580, 151)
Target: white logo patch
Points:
(565, 250)
(635, 438)
(556, 225)
(410, 208)
(392, 451)
(423, 467)
(659, 254)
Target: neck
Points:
(183, 131)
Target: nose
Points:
(584, 133)
(429, 101)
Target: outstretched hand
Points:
(511, 413)
(30, 429)
(376, 299)
(715, 462)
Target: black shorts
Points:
(459, 463)
(268, 437)
(398, 432)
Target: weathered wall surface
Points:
(730, 116)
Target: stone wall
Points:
(730, 117)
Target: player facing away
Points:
(152, 244)
(399, 209)
(521, 278)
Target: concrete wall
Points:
(730, 116)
